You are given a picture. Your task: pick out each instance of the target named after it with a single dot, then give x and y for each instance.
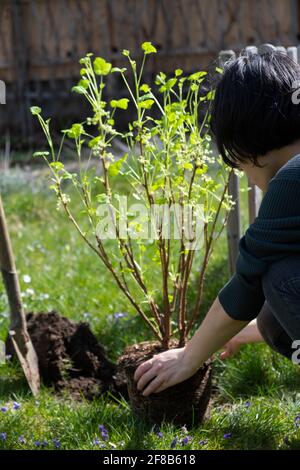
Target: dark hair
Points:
(252, 111)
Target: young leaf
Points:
(146, 104)
(148, 48)
(40, 154)
(92, 143)
(101, 67)
(35, 110)
(114, 168)
(79, 89)
(122, 103)
(75, 131)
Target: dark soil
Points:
(71, 358)
(183, 404)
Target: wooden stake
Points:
(18, 330)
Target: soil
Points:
(71, 358)
(183, 404)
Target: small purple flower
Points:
(3, 436)
(16, 405)
(159, 434)
(4, 409)
(297, 421)
(203, 442)
(104, 432)
(119, 315)
(57, 443)
(173, 443)
(227, 435)
(247, 404)
(37, 443)
(21, 440)
(96, 442)
(186, 440)
(44, 443)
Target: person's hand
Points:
(164, 370)
(249, 334)
(231, 348)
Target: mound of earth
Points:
(71, 358)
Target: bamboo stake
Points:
(18, 330)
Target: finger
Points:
(147, 376)
(225, 354)
(153, 386)
(141, 369)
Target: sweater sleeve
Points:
(275, 231)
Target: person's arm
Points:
(176, 365)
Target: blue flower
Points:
(104, 432)
(247, 404)
(297, 421)
(227, 435)
(173, 443)
(96, 442)
(21, 440)
(4, 409)
(56, 443)
(37, 443)
(44, 443)
(203, 442)
(116, 316)
(16, 405)
(186, 440)
(159, 434)
(3, 436)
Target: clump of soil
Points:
(185, 403)
(71, 358)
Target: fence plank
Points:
(254, 201)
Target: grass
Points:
(257, 393)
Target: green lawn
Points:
(257, 393)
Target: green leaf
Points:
(84, 83)
(197, 75)
(78, 89)
(219, 70)
(35, 110)
(188, 166)
(210, 95)
(57, 165)
(101, 198)
(169, 85)
(117, 69)
(146, 104)
(114, 168)
(75, 131)
(92, 143)
(40, 154)
(101, 67)
(148, 48)
(122, 103)
(178, 72)
(145, 88)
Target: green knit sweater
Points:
(274, 233)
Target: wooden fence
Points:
(254, 194)
(41, 42)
